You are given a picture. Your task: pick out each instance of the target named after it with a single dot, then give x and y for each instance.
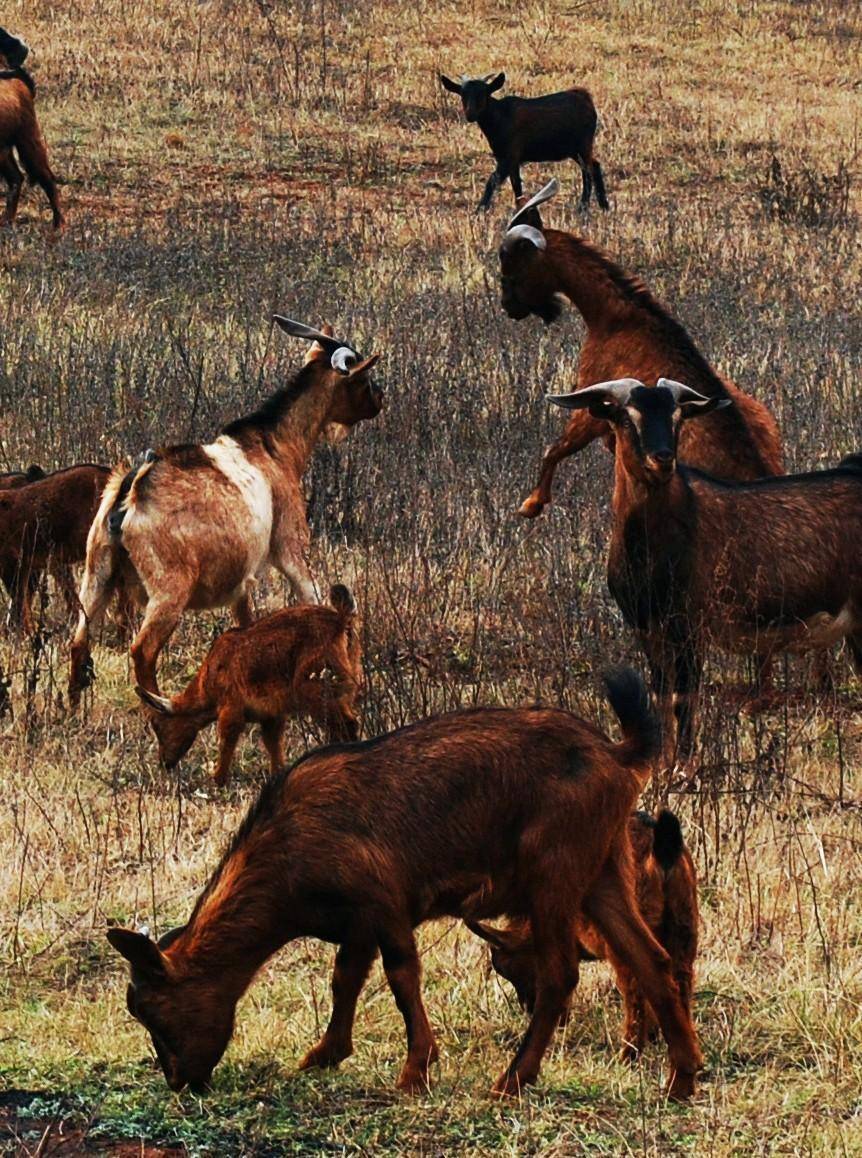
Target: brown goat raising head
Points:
(355, 396)
(475, 92)
(189, 1026)
(525, 282)
(513, 956)
(646, 420)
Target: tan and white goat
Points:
(193, 526)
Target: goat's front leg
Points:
(353, 963)
(581, 430)
(688, 670)
(494, 182)
(517, 183)
(14, 178)
(403, 972)
(229, 727)
(294, 568)
(586, 181)
(271, 732)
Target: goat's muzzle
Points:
(661, 464)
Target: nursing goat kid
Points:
(758, 567)
(192, 526)
(629, 334)
(20, 132)
(666, 891)
(518, 812)
(298, 661)
(522, 129)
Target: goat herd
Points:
(524, 813)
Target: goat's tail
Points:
(341, 598)
(125, 483)
(667, 842)
(640, 723)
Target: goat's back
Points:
(53, 514)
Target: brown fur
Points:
(43, 526)
(10, 480)
(666, 890)
(359, 844)
(20, 133)
(299, 661)
(195, 525)
(631, 334)
(758, 568)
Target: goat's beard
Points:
(334, 433)
(550, 310)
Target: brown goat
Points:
(520, 812)
(10, 480)
(44, 526)
(666, 891)
(19, 131)
(522, 129)
(759, 567)
(629, 334)
(301, 660)
(193, 526)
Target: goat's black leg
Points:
(494, 182)
(587, 180)
(601, 194)
(14, 178)
(688, 669)
(517, 184)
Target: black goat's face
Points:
(475, 94)
(524, 283)
(15, 50)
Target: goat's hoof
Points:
(510, 1085)
(629, 1054)
(324, 1056)
(531, 508)
(681, 1087)
(414, 1080)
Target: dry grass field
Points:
(224, 159)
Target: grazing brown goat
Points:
(193, 526)
(20, 132)
(44, 526)
(12, 479)
(301, 660)
(523, 129)
(666, 890)
(758, 567)
(629, 334)
(516, 812)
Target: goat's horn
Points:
(488, 77)
(343, 359)
(525, 233)
(681, 392)
(539, 198)
(617, 391)
(300, 330)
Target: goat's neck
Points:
(582, 274)
(491, 124)
(634, 497)
(301, 426)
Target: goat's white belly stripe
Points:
(228, 457)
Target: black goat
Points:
(521, 129)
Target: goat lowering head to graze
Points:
(629, 334)
(523, 129)
(20, 132)
(299, 661)
(44, 524)
(515, 812)
(12, 479)
(666, 891)
(192, 526)
(758, 567)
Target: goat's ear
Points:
(451, 85)
(699, 409)
(365, 365)
(498, 82)
(496, 938)
(159, 704)
(142, 954)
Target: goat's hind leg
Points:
(612, 907)
(14, 179)
(93, 598)
(586, 181)
(403, 972)
(160, 620)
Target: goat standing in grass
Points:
(20, 132)
(299, 661)
(757, 568)
(521, 129)
(629, 334)
(666, 890)
(192, 526)
(476, 814)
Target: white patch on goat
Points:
(228, 457)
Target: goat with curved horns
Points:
(757, 567)
(192, 526)
(628, 333)
(523, 129)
